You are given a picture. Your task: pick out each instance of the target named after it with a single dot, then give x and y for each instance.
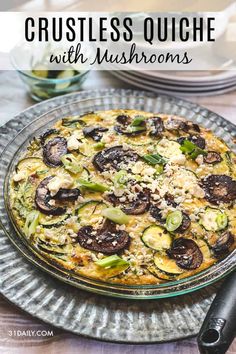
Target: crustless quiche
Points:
(128, 197)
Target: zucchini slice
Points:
(204, 249)
(31, 164)
(90, 210)
(85, 174)
(156, 238)
(169, 148)
(26, 195)
(140, 141)
(52, 221)
(159, 274)
(56, 250)
(213, 219)
(166, 264)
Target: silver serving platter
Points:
(92, 315)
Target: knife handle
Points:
(219, 327)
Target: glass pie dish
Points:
(161, 104)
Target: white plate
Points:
(193, 76)
(151, 76)
(181, 87)
(147, 86)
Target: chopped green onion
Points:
(96, 187)
(41, 172)
(159, 169)
(116, 215)
(99, 146)
(31, 222)
(155, 159)
(222, 221)
(120, 178)
(191, 149)
(137, 121)
(71, 164)
(135, 129)
(174, 220)
(112, 261)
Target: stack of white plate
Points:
(181, 83)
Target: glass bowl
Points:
(24, 58)
(161, 104)
(42, 89)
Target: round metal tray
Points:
(93, 315)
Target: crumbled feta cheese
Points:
(178, 159)
(19, 176)
(199, 160)
(60, 181)
(107, 138)
(73, 143)
(150, 171)
(138, 167)
(197, 191)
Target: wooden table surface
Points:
(14, 99)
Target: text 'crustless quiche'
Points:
(127, 196)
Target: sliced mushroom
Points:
(198, 140)
(196, 128)
(46, 134)
(186, 222)
(43, 198)
(176, 124)
(170, 200)
(54, 150)
(94, 132)
(123, 119)
(186, 253)
(125, 128)
(219, 189)
(212, 157)
(65, 194)
(157, 126)
(113, 157)
(156, 213)
(223, 244)
(139, 206)
(129, 131)
(107, 239)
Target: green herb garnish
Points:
(222, 221)
(111, 261)
(71, 163)
(116, 215)
(155, 159)
(98, 146)
(120, 178)
(174, 220)
(95, 187)
(191, 149)
(137, 121)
